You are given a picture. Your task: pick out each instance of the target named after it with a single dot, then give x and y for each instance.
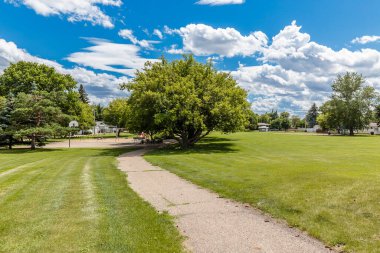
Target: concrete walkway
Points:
(210, 223)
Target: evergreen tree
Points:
(83, 94)
(312, 115)
(6, 131)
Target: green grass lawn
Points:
(76, 201)
(326, 185)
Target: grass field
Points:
(76, 201)
(326, 185)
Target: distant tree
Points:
(85, 116)
(186, 99)
(296, 122)
(117, 113)
(312, 115)
(285, 121)
(273, 115)
(265, 118)
(351, 103)
(83, 96)
(276, 124)
(253, 120)
(323, 121)
(98, 109)
(27, 77)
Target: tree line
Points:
(351, 107)
(182, 99)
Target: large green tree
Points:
(27, 77)
(351, 104)
(35, 116)
(186, 99)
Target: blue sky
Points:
(285, 53)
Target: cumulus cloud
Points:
(128, 34)
(220, 2)
(101, 87)
(296, 71)
(108, 56)
(365, 39)
(204, 40)
(74, 10)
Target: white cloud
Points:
(158, 33)
(128, 35)
(108, 56)
(365, 39)
(74, 10)
(100, 86)
(204, 40)
(220, 2)
(296, 71)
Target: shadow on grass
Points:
(25, 151)
(208, 145)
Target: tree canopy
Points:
(27, 77)
(185, 99)
(351, 104)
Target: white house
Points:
(373, 128)
(103, 128)
(263, 127)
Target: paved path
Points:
(93, 143)
(209, 223)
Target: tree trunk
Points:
(351, 131)
(33, 144)
(184, 141)
(10, 144)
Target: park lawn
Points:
(328, 186)
(76, 201)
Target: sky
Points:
(285, 53)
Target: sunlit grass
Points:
(326, 185)
(76, 201)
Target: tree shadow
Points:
(208, 145)
(25, 151)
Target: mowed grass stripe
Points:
(32, 211)
(21, 167)
(127, 223)
(15, 183)
(78, 201)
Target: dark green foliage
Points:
(185, 99)
(312, 115)
(351, 104)
(27, 77)
(83, 96)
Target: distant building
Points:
(373, 128)
(263, 127)
(103, 128)
(314, 129)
